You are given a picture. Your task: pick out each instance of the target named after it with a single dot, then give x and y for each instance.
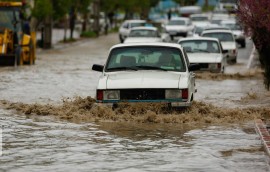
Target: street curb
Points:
(263, 132)
(58, 46)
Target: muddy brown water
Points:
(51, 123)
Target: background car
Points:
(146, 72)
(237, 31)
(200, 19)
(146, 34)
(179, 26)
(207, 52)
(227, 41)
(127, 26)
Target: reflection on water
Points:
(45, 144)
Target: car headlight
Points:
(111, 95)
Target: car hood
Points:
(204, 58)
(228, 45)
(144, 40)
(180, 27)
(143, 79)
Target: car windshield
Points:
(233, 26)
(199, 18)
(137, 24)
(143, 33)
(198, 30)
(199, 46)
(222, 36)
(8, 18)
(176, 22)
(146, 58)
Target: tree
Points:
(43, 11)
(254, 16)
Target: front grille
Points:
(142, 94)
(203, 65)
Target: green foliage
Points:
(208, 8)
(60, 8)
(88, 34)
(42, 9)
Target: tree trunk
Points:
(47, 33)
(72, 18)
(96, 9)
(84, 23)
(65, 27)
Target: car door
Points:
(124, 30)
(191, 76)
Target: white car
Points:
(146, 34)
(227, 41)
(200, 20)
(146, 72)
(179, 26)
(127, 26)
(237, 31)
(207, 52)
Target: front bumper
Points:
(171, 103)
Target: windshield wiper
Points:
(151, 68)
(202, 50)
(122, 68)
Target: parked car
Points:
(127, 26)
(146, 34)
(200, 19)
(227, 41)
(237, 31)
(207, 52)
(179, 26)
(146, 72)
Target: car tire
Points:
(234, 61)
(243, 44)
(121, 39)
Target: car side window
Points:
(125, 25)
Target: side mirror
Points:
(97, 67)
(225, 51)
(194, 67)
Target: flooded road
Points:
(54, 140)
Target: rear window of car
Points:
(177, 22)
(222, 36)
(145, 58)
(199, 46)
(137, 24)
(143, 33)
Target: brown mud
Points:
(86, 110)
(246, 150)
(250, 74)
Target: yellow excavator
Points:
(17, 43)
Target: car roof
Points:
(217, 31)
(180, 18)
(199, 15)
(158, 44)
(232, 21)
(198, 38)
(135, 21)
(217, 28)
(145, 28)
